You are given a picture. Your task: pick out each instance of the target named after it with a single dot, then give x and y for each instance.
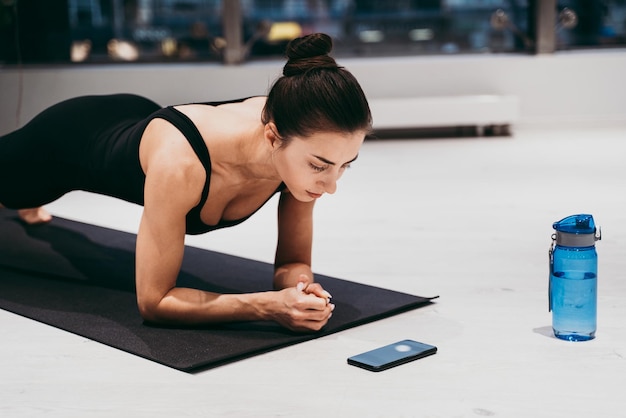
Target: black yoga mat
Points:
(80, 278)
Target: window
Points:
(591, 24)
(99, 31)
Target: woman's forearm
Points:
(192, 306)
(291, 308)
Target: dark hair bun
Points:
(308, 53)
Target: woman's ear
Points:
(271, 135)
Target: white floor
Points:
(467, 219)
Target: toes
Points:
(35, 215)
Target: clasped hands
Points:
(306, 306)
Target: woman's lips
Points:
(314, 195)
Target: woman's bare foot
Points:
(34, 215)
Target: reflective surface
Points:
(591, 24)
(152, 30)
(96, 31)
(399, 27)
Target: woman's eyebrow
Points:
(324, 160)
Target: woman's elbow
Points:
(149, 309)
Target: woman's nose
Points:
(330, 184)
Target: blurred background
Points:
(233, 31)
(467, 66)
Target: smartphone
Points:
(392, 355)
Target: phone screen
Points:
(391, 355)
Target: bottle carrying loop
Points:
(550, 270)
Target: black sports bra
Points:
(190, 131)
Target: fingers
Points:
(308, 311)
(308, 306)
(313, 288)
(317, 290)
(310, 320)
(310, 303)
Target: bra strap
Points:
(193, 136)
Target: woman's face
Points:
(311, 166)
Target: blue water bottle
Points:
(574, 278)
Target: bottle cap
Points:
(576, 231)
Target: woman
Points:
(297, 141)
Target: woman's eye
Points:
(317, 167)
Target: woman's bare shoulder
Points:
(250, 107)
(165, 152)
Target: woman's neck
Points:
(248, 156)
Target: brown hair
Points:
(315, 94)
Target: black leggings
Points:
(54, 152)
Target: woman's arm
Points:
(170, 191)
(292, 263)
(160, 245)
(295, 242)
